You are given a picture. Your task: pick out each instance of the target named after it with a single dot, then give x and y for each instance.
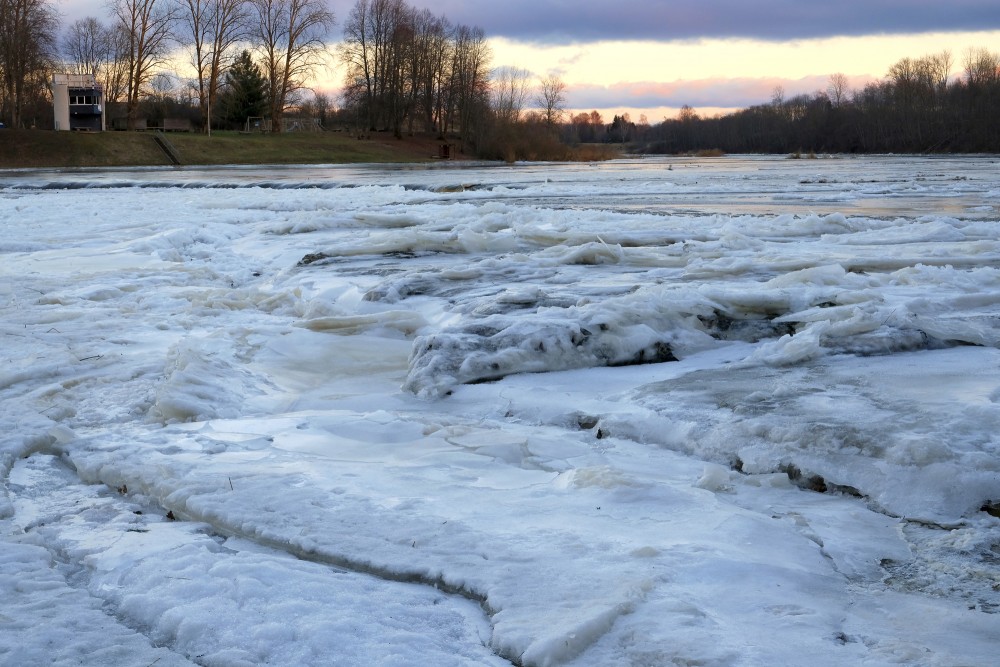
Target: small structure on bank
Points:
(257, 124)
(78, 102)
(176, 124)
(122, 124)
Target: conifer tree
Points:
(245, 92)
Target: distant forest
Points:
(411, 72)
(916, 108)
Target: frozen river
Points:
(735, 411)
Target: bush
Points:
(537, 142)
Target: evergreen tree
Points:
(245, 92)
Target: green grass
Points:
(44, 148)
(294, 148)
(40, 148)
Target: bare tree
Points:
(162, 86)
(470, 81)
(508, 92)
(425, 67)
(940, 65)
(903, 72)
(982, 67)
(86, 45)
(323, 108)
(687, 114)
(90, 47)
(404, 65)
(212, 28)
(837, 89)
(27, 52)
(371, 53)
(433, 78)
(146, 26)
(358, 53)
(551, 97)
(397, 64)
(115, 77)
(291, 37)
(396, 89)
(778, 97)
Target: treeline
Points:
(917, 107)
(409, 71)
(28, 49)
(131, 53)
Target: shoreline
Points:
(30, 149)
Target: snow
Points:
(734, 411)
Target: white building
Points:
(78, 101)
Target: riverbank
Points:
(46, 148)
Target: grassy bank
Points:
(43, 148)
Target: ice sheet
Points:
(648, 412)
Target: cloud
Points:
(726, 93)
(565, 22)
(562, 22)
(729, 53)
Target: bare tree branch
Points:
(291, 37)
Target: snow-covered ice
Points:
(738, 411)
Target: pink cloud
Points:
(716, 93)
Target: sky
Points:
(649, 58)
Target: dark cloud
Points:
(560, 21)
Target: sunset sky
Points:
(650, 57)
